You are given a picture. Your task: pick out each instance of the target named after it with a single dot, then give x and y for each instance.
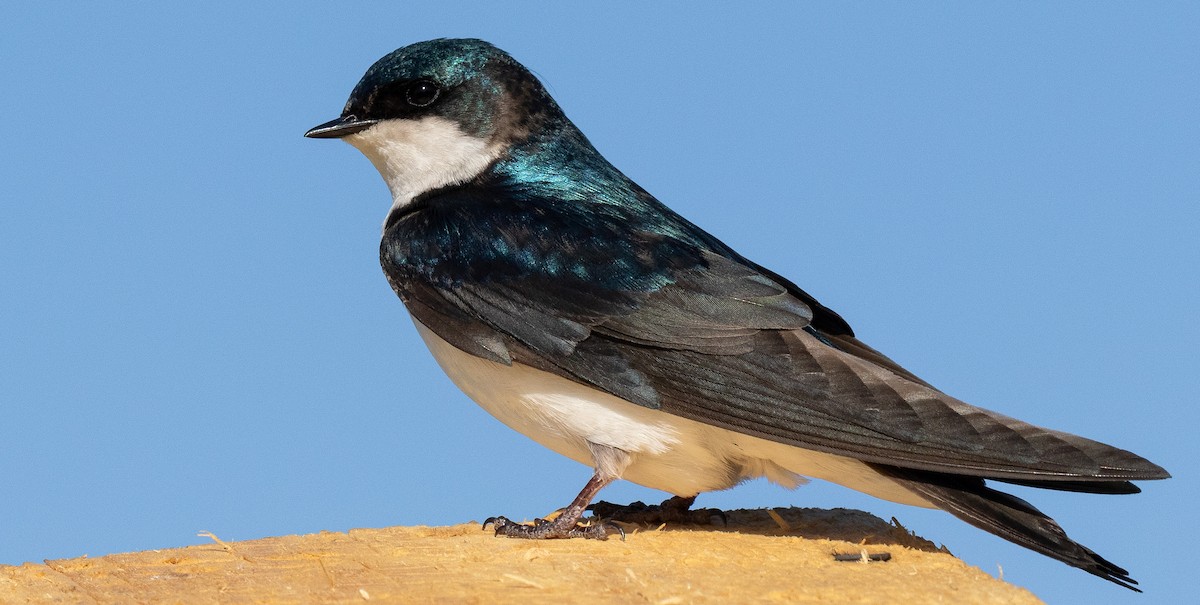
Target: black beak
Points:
(341, 127)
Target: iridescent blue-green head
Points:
(439, 112)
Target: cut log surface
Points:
(760, 556)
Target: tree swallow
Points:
(579, 310)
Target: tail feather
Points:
(1006, 516)
(1086, 487)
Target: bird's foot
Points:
(562, 527)
(566, 525)
(676, 511)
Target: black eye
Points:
(422, 93)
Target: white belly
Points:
(667, 452)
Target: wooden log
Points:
(782, 555)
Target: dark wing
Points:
(663, 315)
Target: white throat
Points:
(415, 156)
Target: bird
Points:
(579, 310)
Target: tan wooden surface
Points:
(758, 558)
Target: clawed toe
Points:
(566, 524)
(543, 529)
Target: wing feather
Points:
(665, 316)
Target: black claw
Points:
(497, 523)
(612, 525)
(541, 529)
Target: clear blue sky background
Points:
(195, 333)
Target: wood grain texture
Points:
(783, 556)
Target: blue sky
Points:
(196, 334)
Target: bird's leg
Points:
(566, 525)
